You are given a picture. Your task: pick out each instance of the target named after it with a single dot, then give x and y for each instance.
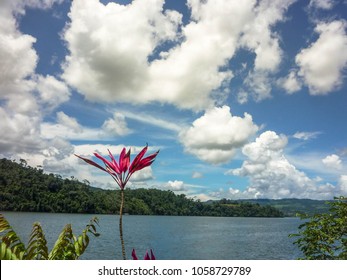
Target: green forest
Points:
(25, 188)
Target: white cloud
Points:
(24, 95)
(197, 175)
(153, 120)
(68, 122)
(106, 64)
(332, 161)
(306, 135)
(69, 132)
(142, 175)
(201, 197)
(271, 175)
(322, 63)
(193, 69)
(312, 162)
(67, 127)
(259, 38)
(52, 92)
(176, 185)
(290, 83)
(216, 135)
(242, 97)
(19, 5)
(59, 148)
(343, 185)
(259, 85)
(322, 4)
(20, 133)
(19, 116)
(15, 72)
(116, 125)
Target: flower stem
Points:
(121, 223)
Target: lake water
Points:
(171, 237)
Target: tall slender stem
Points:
(121, 223)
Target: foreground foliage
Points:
(324, 236)
(67, 246)
(24, 188)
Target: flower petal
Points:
(133, 254)
(137, 159)
(152, 255)
(112, 165)
(145, 162)
(124, 160)
(91, 163)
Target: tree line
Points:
(25, 188)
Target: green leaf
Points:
(67, 246)
(323, 236)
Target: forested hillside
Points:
(24, 188)
(292, 206)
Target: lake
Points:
(172, 237)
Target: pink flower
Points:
(147, 256)
(122, 170)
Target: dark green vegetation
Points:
(292, 206)
(324, 236)
(67, 246)
(24, 188)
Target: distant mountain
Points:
(290, 206)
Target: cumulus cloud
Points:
(24, 95)
(242, 96)
(176, 185)
(322, 4)
(192, 70)
(291, 83)
(15, 72)
(271, 175)
(52, 92)
(68, 128)
(259, 38)
(20, 117)
(215, 136)
(332, 161)
(19, 133)
(142, 175)
(105, 63)
(69, 122)
(59, 148)
(312, 162)
(259, 85)
(164, 60)
(322, 63)
(116, 125)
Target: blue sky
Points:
(244, 99)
